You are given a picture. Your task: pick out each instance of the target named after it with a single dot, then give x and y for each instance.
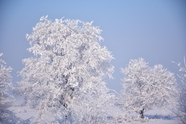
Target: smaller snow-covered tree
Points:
(6, 116)
(146, 87)
(134, 82)
(182, 94)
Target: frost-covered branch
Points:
(181, 110)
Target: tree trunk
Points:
(141, 113)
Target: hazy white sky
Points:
(152, 29)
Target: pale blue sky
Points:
(152, 29)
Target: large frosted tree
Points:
(68, 61)
(146, 87)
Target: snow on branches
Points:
(181, 110)
(146, 87)
(68, 61)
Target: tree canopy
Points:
(146, 87)
(68, 62)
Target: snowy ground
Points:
(152, 121)
(158, 117)
(154, 116)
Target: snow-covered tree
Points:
(68, 61)
(181, 112)
(146, 87)
(5, 84)
(6, 116)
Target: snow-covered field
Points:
(154, 116)
(156, 121)
(160, 117)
